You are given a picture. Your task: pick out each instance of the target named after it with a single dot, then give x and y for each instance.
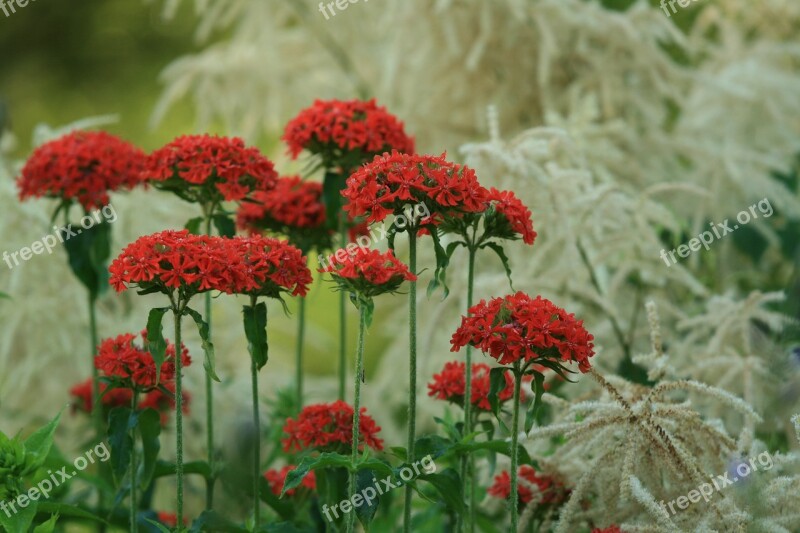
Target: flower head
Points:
(164, 402)
(449, 385)
(520, 328)
(268, 267)
(367, 272)
(209, 169)
(134, 367)
(550, 491)
(82, 392)
(507, 217)
(345, 133)
(293, 203)
(391, 181)
(277, 478)
(329, 427)
(82, 166)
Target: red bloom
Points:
(266, 267)
(517, 215)
(551, 490)
(517, 327)
(392, 181)
(277, 478)
(346, 132)
(83, 166)
(205, 168)
(293, 203)
(367, 272)
(120, 358)
(164, 403)
(170, 519)
(329, 427)
(449, 385)
(83, 396)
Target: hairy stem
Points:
(301, 331)
(257, 426)
(177, 315)
(342, 320)
(133, 467)
(208, 212)
(468, 462)
(412, 370)
(514, 450)
(362, 326)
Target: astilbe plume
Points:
(391, 181)
(82, 166)
(343, 131)
(550, 490)
(277, 478)
(329, 427)
(367, 272)
(520, 328)
(210, 169)
(449, 385)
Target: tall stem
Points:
(257, 425)
(177, 313)
(468, 463)
(97, 411)
(412, 370)
(362, 326)
(301, 331)
(209, 396)
(342, 319)
(514, 451)
(133, 467)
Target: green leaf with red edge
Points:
(537, 387)
(156, 344)
(503, 258)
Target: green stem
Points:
(133, 466)
(412, 371)
(177, 314)
(97, 411)
(342, 320)
(301, 331)
(208, 212)
(362, 326)
(257, 426)
(468, 462)
(514, 450)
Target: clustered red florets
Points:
(367, 272)
(329, 427)
(391, 181)
(277, 478)
(82, 166)
(292, 203)
(516, 213)
(118, 397)
(170, 260)
(134, 367)
(215, 167)
(449, 385)
(334, 127)
(550, 490)
(519, 328)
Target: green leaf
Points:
(208, 347)
(156, 344)
(439, 275)
(72, 511)
(284, 508)
(497, 446)
(556, 367)
(432, 445)
(38, 445)
(332, 185)
(194, 225)
(121, 420)
(87, 252)
(366, 511)
(225, 225)
(47, 527)
(19, 522)
(255, 329)
(150, 430)
(503, 259)
(213, 521)
(497, 382)
(537, 387)
(448, 484)
(158, 525)
(323, 460)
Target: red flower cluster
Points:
(83, 166)
(329, 427)
(334, 127)
(196, 263)
(277, 478)
(391, 181)
(517, 327)
(118, 397)
(551, 490)
(119, 358)
(165, 403)
(206, 168)
(293, 203)
(449, 385)
(515, 212)
(367, 272)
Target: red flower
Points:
(329, 427)
(551, 490)
(517, 216)
(516, 327)
(609, 529)
(277, 478)
(83, 396)
(392, 181)
(367, 272)
(208, 169)
(293, 203)
(346, 132)
(83, 166)
(135, 367)
(266, 267)
(170, 519)
(164, 403)
(449, 385)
